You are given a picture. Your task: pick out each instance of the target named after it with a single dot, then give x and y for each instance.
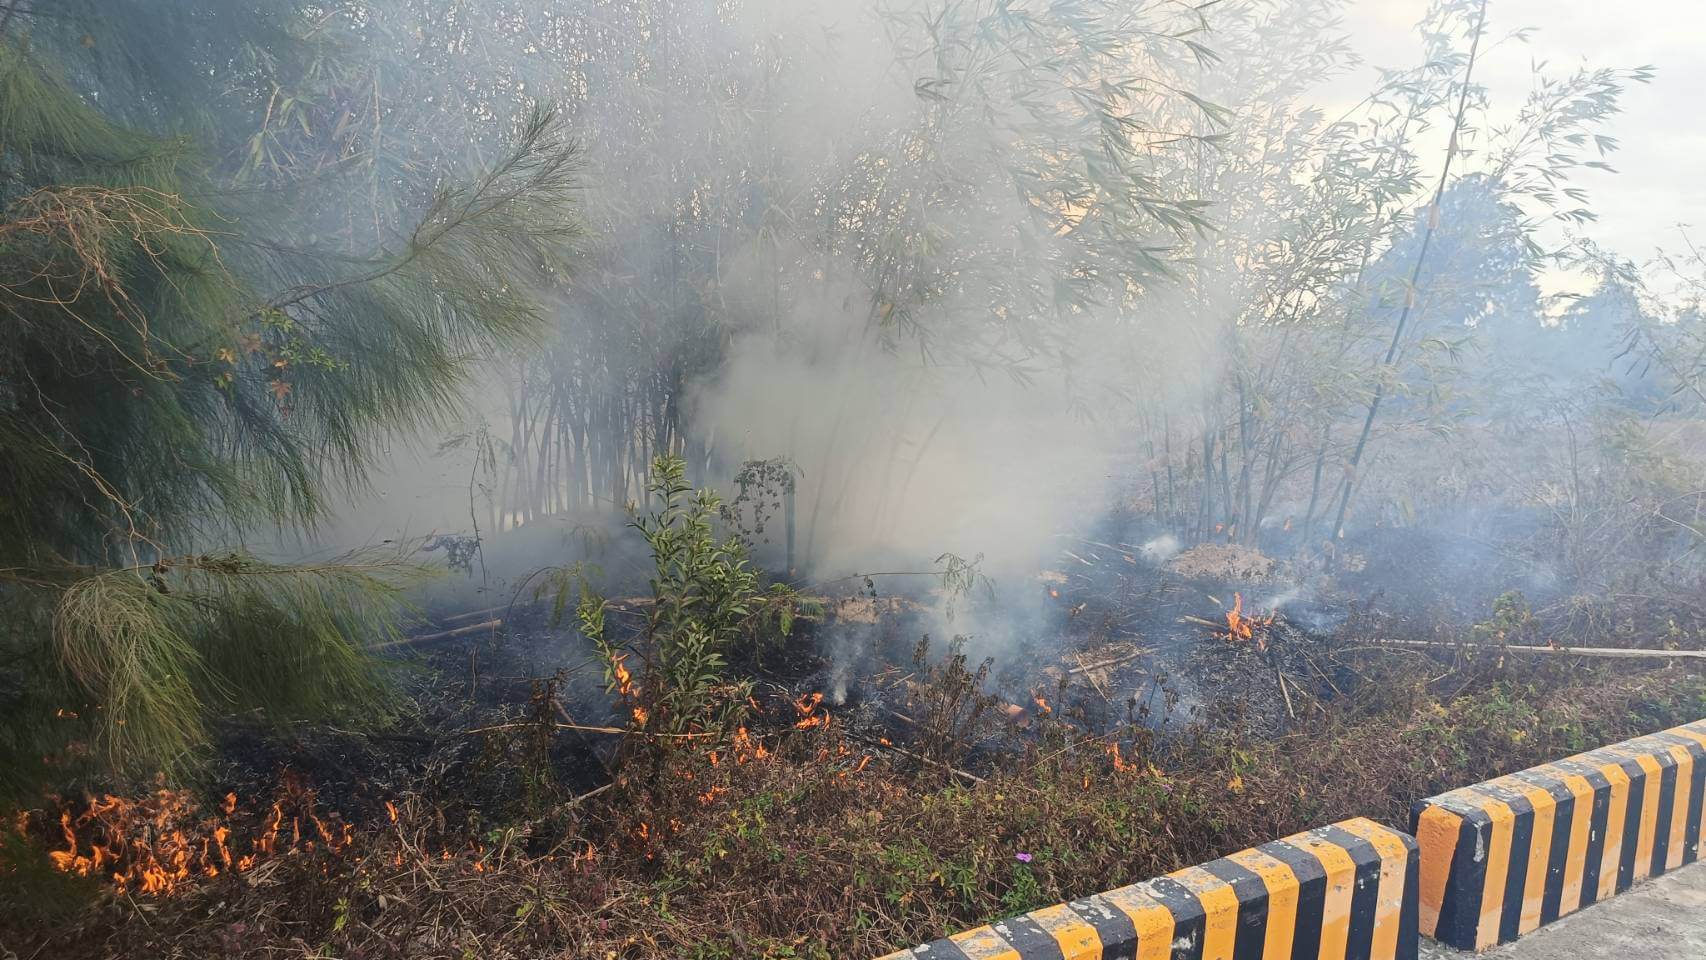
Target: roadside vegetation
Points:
(1376, 496)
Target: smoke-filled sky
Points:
(1006, 468)
(1659, 183)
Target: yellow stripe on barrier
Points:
(1149, 917)
(1646, 833)
(1679, 806)
(1282, 886)
(1341, 886)
(984, 944)
(1389, 899)
(1581, 829)
(1539, 849)
(1437, 830)
(1614, 818)
(1077, 939)
(1498, 869)
(1220, 910)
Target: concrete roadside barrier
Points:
(1505, 857)
(1344, 892)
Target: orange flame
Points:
(1119, 762)
(745, 747)
(1241, 627)
(807, 706)
(157, 844)
(624, 679)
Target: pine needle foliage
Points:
(190, 353)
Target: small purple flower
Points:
(1022, 857)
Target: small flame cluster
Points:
(808, 707)
(1243, 629)
(622, 684)
(746, 748)
(159, 843)
(1120, 763)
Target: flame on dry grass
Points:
(807, 706)
(1120, 763)
(161, 842)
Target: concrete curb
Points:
(1505, 857)
(1344, 892)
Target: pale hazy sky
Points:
(1661, 178)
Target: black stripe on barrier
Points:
(1563, 822)
(1029, 938)
(1693, 783)
(1365, 894)
(1252, 893)
(1409, 922)
(1113, 927)
(1596, 825)
(1631, 821)
(1667, 809)
(1516, 869)
(1460, 907)
(1189, 918)
(1311, 895)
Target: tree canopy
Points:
(211, 319)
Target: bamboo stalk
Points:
(1629, 653)
(443, 635)
(1113, 662)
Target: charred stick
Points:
(1111, 662)
(1284, 692)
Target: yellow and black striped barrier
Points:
(1504, 857)
(1344, 892)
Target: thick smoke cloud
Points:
(901, 251)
